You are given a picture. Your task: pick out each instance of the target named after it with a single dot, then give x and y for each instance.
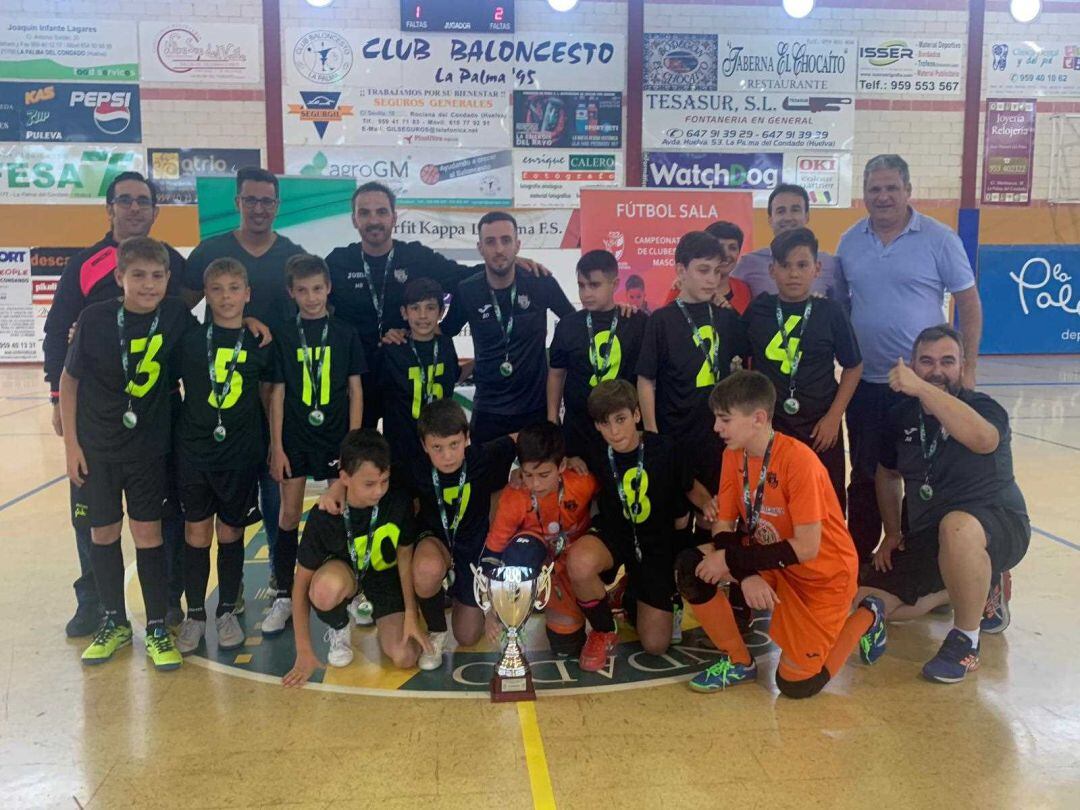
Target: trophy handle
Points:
(480, 588)
(543, 586)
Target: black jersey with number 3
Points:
(241, 409)
(324, 535)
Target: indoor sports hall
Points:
(932, 147)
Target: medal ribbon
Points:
(227, 385)
(636, 486)
(753, 510)
(425, 382)
(560, 539)
(601, 361)
(794, 357)
(124, 361)
(372, 525)
(377, 299)
(306, 354)
(508, 327)
(928, 453)
(713, 357)
(450, 528)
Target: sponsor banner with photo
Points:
(62, 173)
(83, 112)
(1008, 151)
(174, 170)
(418, 176)
(1026, 68)
(642, 226)
(39, 47)
(555, 179)
(561, 61)
(198, 52)
(18, 341)
(893, 66)
(1030, 301)
(568, 119)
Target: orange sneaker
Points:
(597, 649)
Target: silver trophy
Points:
(513, 587)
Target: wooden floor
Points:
(220, 733)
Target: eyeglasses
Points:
(127, 201)
(255, 202)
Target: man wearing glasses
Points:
(88, 278)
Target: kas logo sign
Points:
(112, 109)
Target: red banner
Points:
(642, 226)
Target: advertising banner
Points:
(58, 173)
(826, 177)
(641, 227)
(197, 52)
(894, 66)
(568, 119)
(1026, 68)
(418, 176)
(18, 343)
(91, 112)
(555, 179)
(40, 47)
(1030, 299)
(1008, 151)
(174, 170)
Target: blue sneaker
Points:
(724, 673)
(956, 658)
(872, 642)
(996, 613)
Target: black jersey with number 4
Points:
(342, 358)
(827, 337)
(683, 375)
(324, 535)
(94, 359)
(487, 468)
(405, 390)
(241, 408)
(618, 353)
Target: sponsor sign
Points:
(555, 179)
(1031, 299)
(568, 119)
(754, 171)
(197, 52)
(18, 342)
(174, 170)
(894, 66)
(561, 61)
(95, 113)
(826, 177)
(1027, 68)
(318, 109)
(37, 47)
(57, 173)
(1008, 151)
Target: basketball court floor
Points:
(220, 732)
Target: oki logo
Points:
(817, 164)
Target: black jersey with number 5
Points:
(324, 535)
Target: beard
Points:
(952, 386)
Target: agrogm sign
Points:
(56, 173)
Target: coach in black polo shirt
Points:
(506, 310)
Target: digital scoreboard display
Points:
(479, 16)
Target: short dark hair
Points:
(610, 397)
(726, 230)
(364, 444)
(789, 188)
(932, 334)
(784, 243)
(602, 260)
(225, 266)
(110, 192)
(256, 175)
(697, 245)
(303, 265)
(495, 216)
(373, 187)
(540, 443)
(422, 289)
(635, 282)
(744, 391)
(144, 248)
(442, 418)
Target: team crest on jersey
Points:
(485, 312)
(523, 301)
(401, 275)
(772, 480)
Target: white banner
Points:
(197, 52)
(893, 66)
(62, 173)
(554, 179)
(18, 337)
(39, 46)
(569, 61)
(1028, 69)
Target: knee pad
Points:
(692, 588)
(566, 643)
(808, 687)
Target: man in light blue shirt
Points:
(898, 264)
(789, 208)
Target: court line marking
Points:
(535, 759)
(1048, 441)
(1021, 384)
(31, 492)
(21, 410)
(1056, 539)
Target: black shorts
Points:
(314, 463)
(383, 590)
(232, 495)
(915, 572)
(652, 580)
(108, 484)
(462, 557)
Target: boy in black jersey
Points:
(590, 346)
(369, 545)
(412, 374)
(317, 399)
(115, 409)
(794, 340)
(643, 505)
(221, 445)
(689, 346)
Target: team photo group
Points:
(791, 433)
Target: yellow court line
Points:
(539, 778)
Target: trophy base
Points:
(509, 690)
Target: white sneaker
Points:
(433, 660)
(189, 635)
(361, 609)
(341, 651)
(230, 635)
(277, 617)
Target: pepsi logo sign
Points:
(112, 110)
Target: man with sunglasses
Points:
(89, 278)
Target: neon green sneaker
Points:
(162, 650)
(110, 638)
